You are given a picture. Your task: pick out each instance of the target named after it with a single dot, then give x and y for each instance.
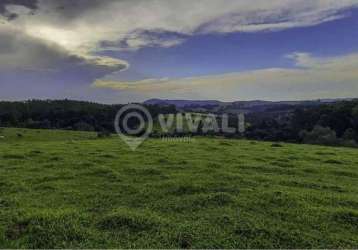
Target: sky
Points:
(121, 51)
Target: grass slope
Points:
(70, 190)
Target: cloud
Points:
(68, 37)
(329, 77)
(82, 26)
(11, 8)
(22, 52)
(30, 41)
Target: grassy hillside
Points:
(71, 190)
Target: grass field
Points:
(71, 190)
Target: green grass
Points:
(71, 190)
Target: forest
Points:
(333, 124)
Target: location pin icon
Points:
(133, 137)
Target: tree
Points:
(349, 138)
(65, 114)
(355, 111)
(320, 135)
(349, 134)
(83, 126)
(355, 117)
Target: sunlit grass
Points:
(62, 189)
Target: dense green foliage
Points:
(65, 114)
(72, 190)
(329, 124)
(326, 124)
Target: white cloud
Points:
(313, 78)
(81, 29)
(21, 52)
(60, 31)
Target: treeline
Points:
(65, 114)
(334, 124)
(328, 124)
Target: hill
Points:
(71, 190)
(239, 106)
(183, 103)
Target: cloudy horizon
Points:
(119, 51)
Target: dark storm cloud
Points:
(31, 4)
(21, 52)
(32, 68)
(69, 9)
(73, 9)
(24, 53)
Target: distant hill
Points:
(183, 103)
(237, 106)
